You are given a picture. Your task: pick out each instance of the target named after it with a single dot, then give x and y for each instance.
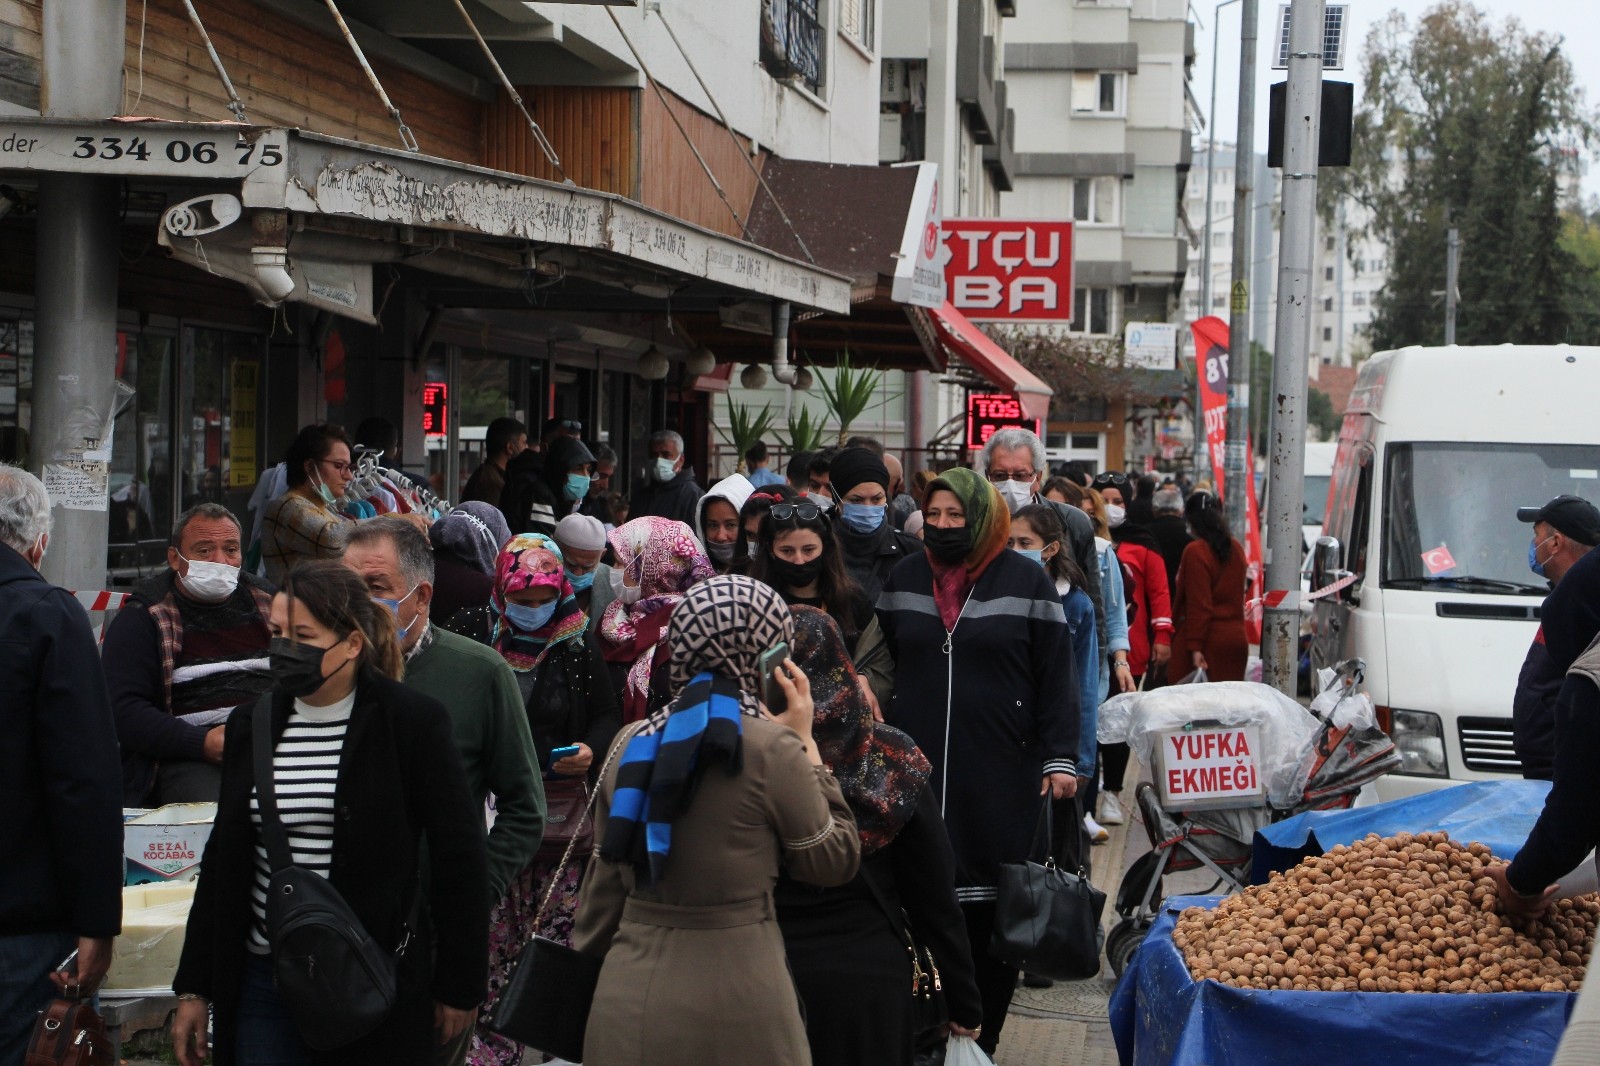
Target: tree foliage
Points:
(1463, 123)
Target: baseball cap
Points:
(1572, 516)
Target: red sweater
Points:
(1150, 617)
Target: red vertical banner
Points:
(1211, 365)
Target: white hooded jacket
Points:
(736, 489)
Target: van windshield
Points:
(1316, 499)
(1450, 511)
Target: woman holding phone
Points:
(538, 628)
(700, 804)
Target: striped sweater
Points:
(994, 714)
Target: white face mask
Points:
(1017, 494)
(211, 582)
(626, 593)
(1116, 514)
(665, 469)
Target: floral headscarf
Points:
(666, 560)
(881, 770)
(532, 560)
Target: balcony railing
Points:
(792, 41)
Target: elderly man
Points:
(1564, 531)
(582, 540)
(1013, 460)
(61, 837)
(671, 490)
(477, 688)
(187, 649)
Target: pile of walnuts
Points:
(1410, 913)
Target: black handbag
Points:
(929, 1012)
(545, 1003)
(337, 983)
(1047, 920)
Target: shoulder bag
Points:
(1047, 920)
(69, 1033)
(545, 1003)
(336, 981)
(929, 1012)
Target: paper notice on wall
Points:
(77, 485)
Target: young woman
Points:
(657, 560)
(1210, 605)
(801, 558)
(697, 810)
(716, 520)
(847, 945)
(1116, 674)
(544, 637)
(1149, 617)
(984, 683)
(372, 768)
(755, 508)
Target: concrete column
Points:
(76, 286)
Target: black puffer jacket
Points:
(534, 498)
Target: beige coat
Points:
(695, 972)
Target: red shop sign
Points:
(988, 412)
(1009, 270)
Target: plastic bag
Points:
(1193, 677)
(1287, 729)
(963, 1051)
(1341, 704)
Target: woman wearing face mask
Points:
(372, 769)
(716, 520)
(800, 557)
(466, 543)
(306, 523)
(1209, 608)
(544, 487)
(657, 560)
(544, 637)
(984, 683)
(847, 945)
(748, 544)
(1116, 675)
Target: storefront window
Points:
(140, 509)
(487, 392)
(16, 389)
(220, 407)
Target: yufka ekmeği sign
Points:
(1009, 270)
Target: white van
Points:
(1318, 474)
(1438, 449)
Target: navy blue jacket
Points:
(1533, 712)
(60, 774)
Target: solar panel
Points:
(1333, 23)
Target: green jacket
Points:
(491, 732)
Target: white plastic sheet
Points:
(1287, 729)
(1342, 706)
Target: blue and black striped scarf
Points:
(659, 769)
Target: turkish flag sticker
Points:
(1438, 560)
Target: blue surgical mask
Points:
(1533, 556)
(577, 487)
(581, 582)
(1036, 554)
(863, 517)
(394, 607)
(530, 619)
(326, 493)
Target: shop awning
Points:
(972, 346)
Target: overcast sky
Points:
(1579, 22)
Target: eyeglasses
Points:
(805, 512)
(338, 464)
(1000, 477)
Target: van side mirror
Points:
(1326, 556)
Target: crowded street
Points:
(798, 533)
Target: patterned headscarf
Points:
(474, 533)
(532, 560)
(666, 560)
(717, 634)
(881, 770)
(988, 522)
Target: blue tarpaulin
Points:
(1161, 1017)
(1497, 813)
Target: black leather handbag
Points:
(929, 1012)
(336, 981)
(545, 1004)
(1047, 920)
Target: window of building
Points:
(792, 41)
(1091, 310)
(1218, 302)
(858, 21)
(1330, 243)
(1193, 302)
(1327, 333)
(1358, 299)
(1152, 201)
(1327, 303)
(1327, 273)
(1098, 92)
(1095, 200)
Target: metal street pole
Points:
(1292, 345)
(1240, 373)
(1202, 463)
(76, 295)
(1452, 269)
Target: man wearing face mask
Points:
(544, 487)
(670, 490)
(582, 540)
(716, 519)
(1564, 531)
(190, 646)
(1014, 461)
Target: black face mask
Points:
(296, 668)
(796, 575)
(947, 545)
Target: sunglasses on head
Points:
(1110, 479)
(805, 512)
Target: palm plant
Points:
(744, 428)
(805, 432)
(849, 393)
